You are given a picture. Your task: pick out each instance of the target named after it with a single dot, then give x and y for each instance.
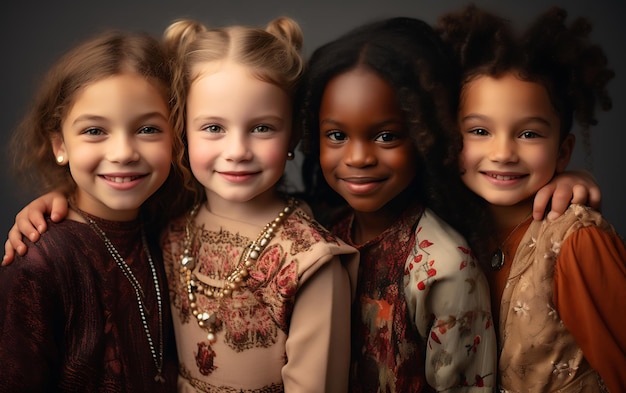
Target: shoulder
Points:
(432, 229)
(575, 218)
(46, 257)
(438, 247)
(307, 240)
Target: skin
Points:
(117, 141)
(238, 133)
(512, 144)
(566, 188)
(366, 153)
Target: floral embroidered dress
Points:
(562, 312)
(287, 330)
(422, 314)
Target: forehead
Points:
(505, 91)
(125, 93)
(359, 92)
(225, 84)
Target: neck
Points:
(506, 217)
(98, 209)
(368, 225)
(257, 211)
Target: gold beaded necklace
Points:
(234, 280)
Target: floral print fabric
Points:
(422, 318)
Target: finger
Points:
(9, 253)
(541, 201)
(561, 199)
(58, 207)
(595, 198)
(16, 241)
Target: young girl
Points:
(558, 285)
(87, 309)
(378, 112)
(260, 298)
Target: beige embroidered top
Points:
(287, 330)
(538, 353)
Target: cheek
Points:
(328, 159)
(162, 154)
(404, 162)
(201, 152)
(469, 155)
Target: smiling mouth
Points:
(504, 177)
(121, 179)
(361, 180)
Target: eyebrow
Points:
(380, 124)
(140, 118)
(524, 120)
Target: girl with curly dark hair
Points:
(556, 284)
(378, 110)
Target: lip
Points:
(503, 178)
(362, 185)
(238, 176)
(122, 181)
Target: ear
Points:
(565, 153)
(58, 148)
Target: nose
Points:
(123, 149)
(359, 154)
(503, 149)
(238, 147)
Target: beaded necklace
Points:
(234, 280)
(139, 293)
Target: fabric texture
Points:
(559, 318)
(422, 317)
(287, 329)
(69, 319)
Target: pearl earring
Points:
(60, 159)
(290, 155)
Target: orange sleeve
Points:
(590, 294)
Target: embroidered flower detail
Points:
(473, 347)
(204, 358)
(552, 312)
(521, 308)
(556, 247)
(267, 266)
(561, 369)
(425, 244)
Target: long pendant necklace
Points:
(498, 259)
(233, 281)
(139, 293)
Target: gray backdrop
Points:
(34, 34)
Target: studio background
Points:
(35, 33)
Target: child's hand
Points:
(566, 188)
(31, 222)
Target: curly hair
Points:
(573, 70)
(272, 54)
(561, 58)
(109, 54)
(409, 55)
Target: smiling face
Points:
(238, 133)
(511, 139)
(366, 153)
(118, 143)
